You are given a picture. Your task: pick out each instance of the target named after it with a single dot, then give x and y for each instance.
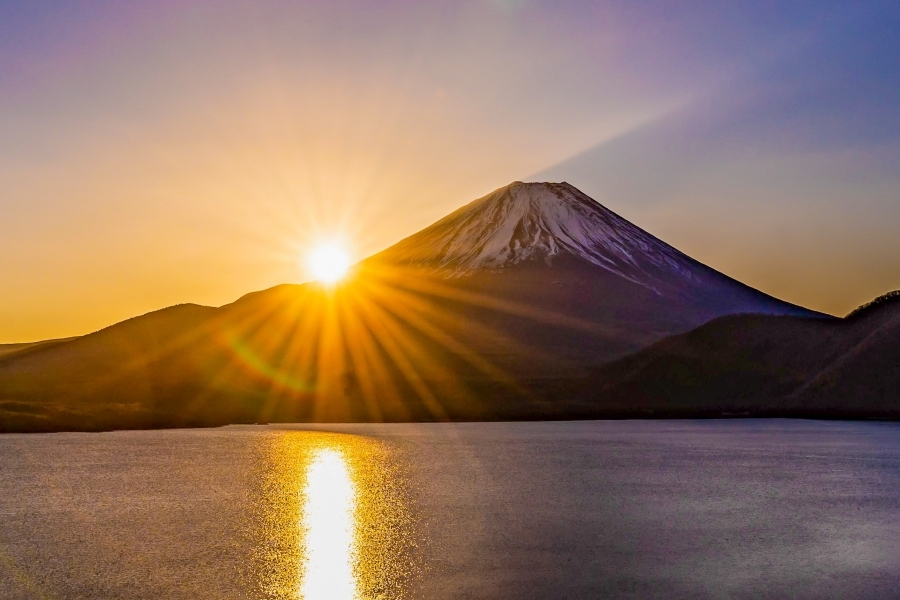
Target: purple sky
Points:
(192, 152)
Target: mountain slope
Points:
(538, 221)
(562, 257)
(762, 365)
(865, 377)
(546, 222)
(486, 314)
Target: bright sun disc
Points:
(329, 263)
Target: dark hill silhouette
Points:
(492, 312)
(763, 365)
(865, 378)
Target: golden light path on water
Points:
(334, 520)
(329, 517)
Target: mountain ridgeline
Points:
(533, 302)
(763, 366)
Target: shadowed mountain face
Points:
(556, 226)
(762, 365)
(562, 278)
(482, 315)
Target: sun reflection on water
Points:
(328, 525)
(334, 520)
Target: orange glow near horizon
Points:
(393, 343)
(387, 345)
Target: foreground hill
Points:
(489, 313)
(763, 365)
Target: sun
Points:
(328, 263)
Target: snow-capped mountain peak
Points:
(537, 222)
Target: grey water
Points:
(595, 509)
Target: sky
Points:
(155, 153)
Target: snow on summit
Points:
(538, 222)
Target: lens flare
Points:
(329, 263)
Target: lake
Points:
(594, 509)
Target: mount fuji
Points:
(525, 224)
(490, 312)
(589, 285)
(539, 221)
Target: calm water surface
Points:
(675, 509)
